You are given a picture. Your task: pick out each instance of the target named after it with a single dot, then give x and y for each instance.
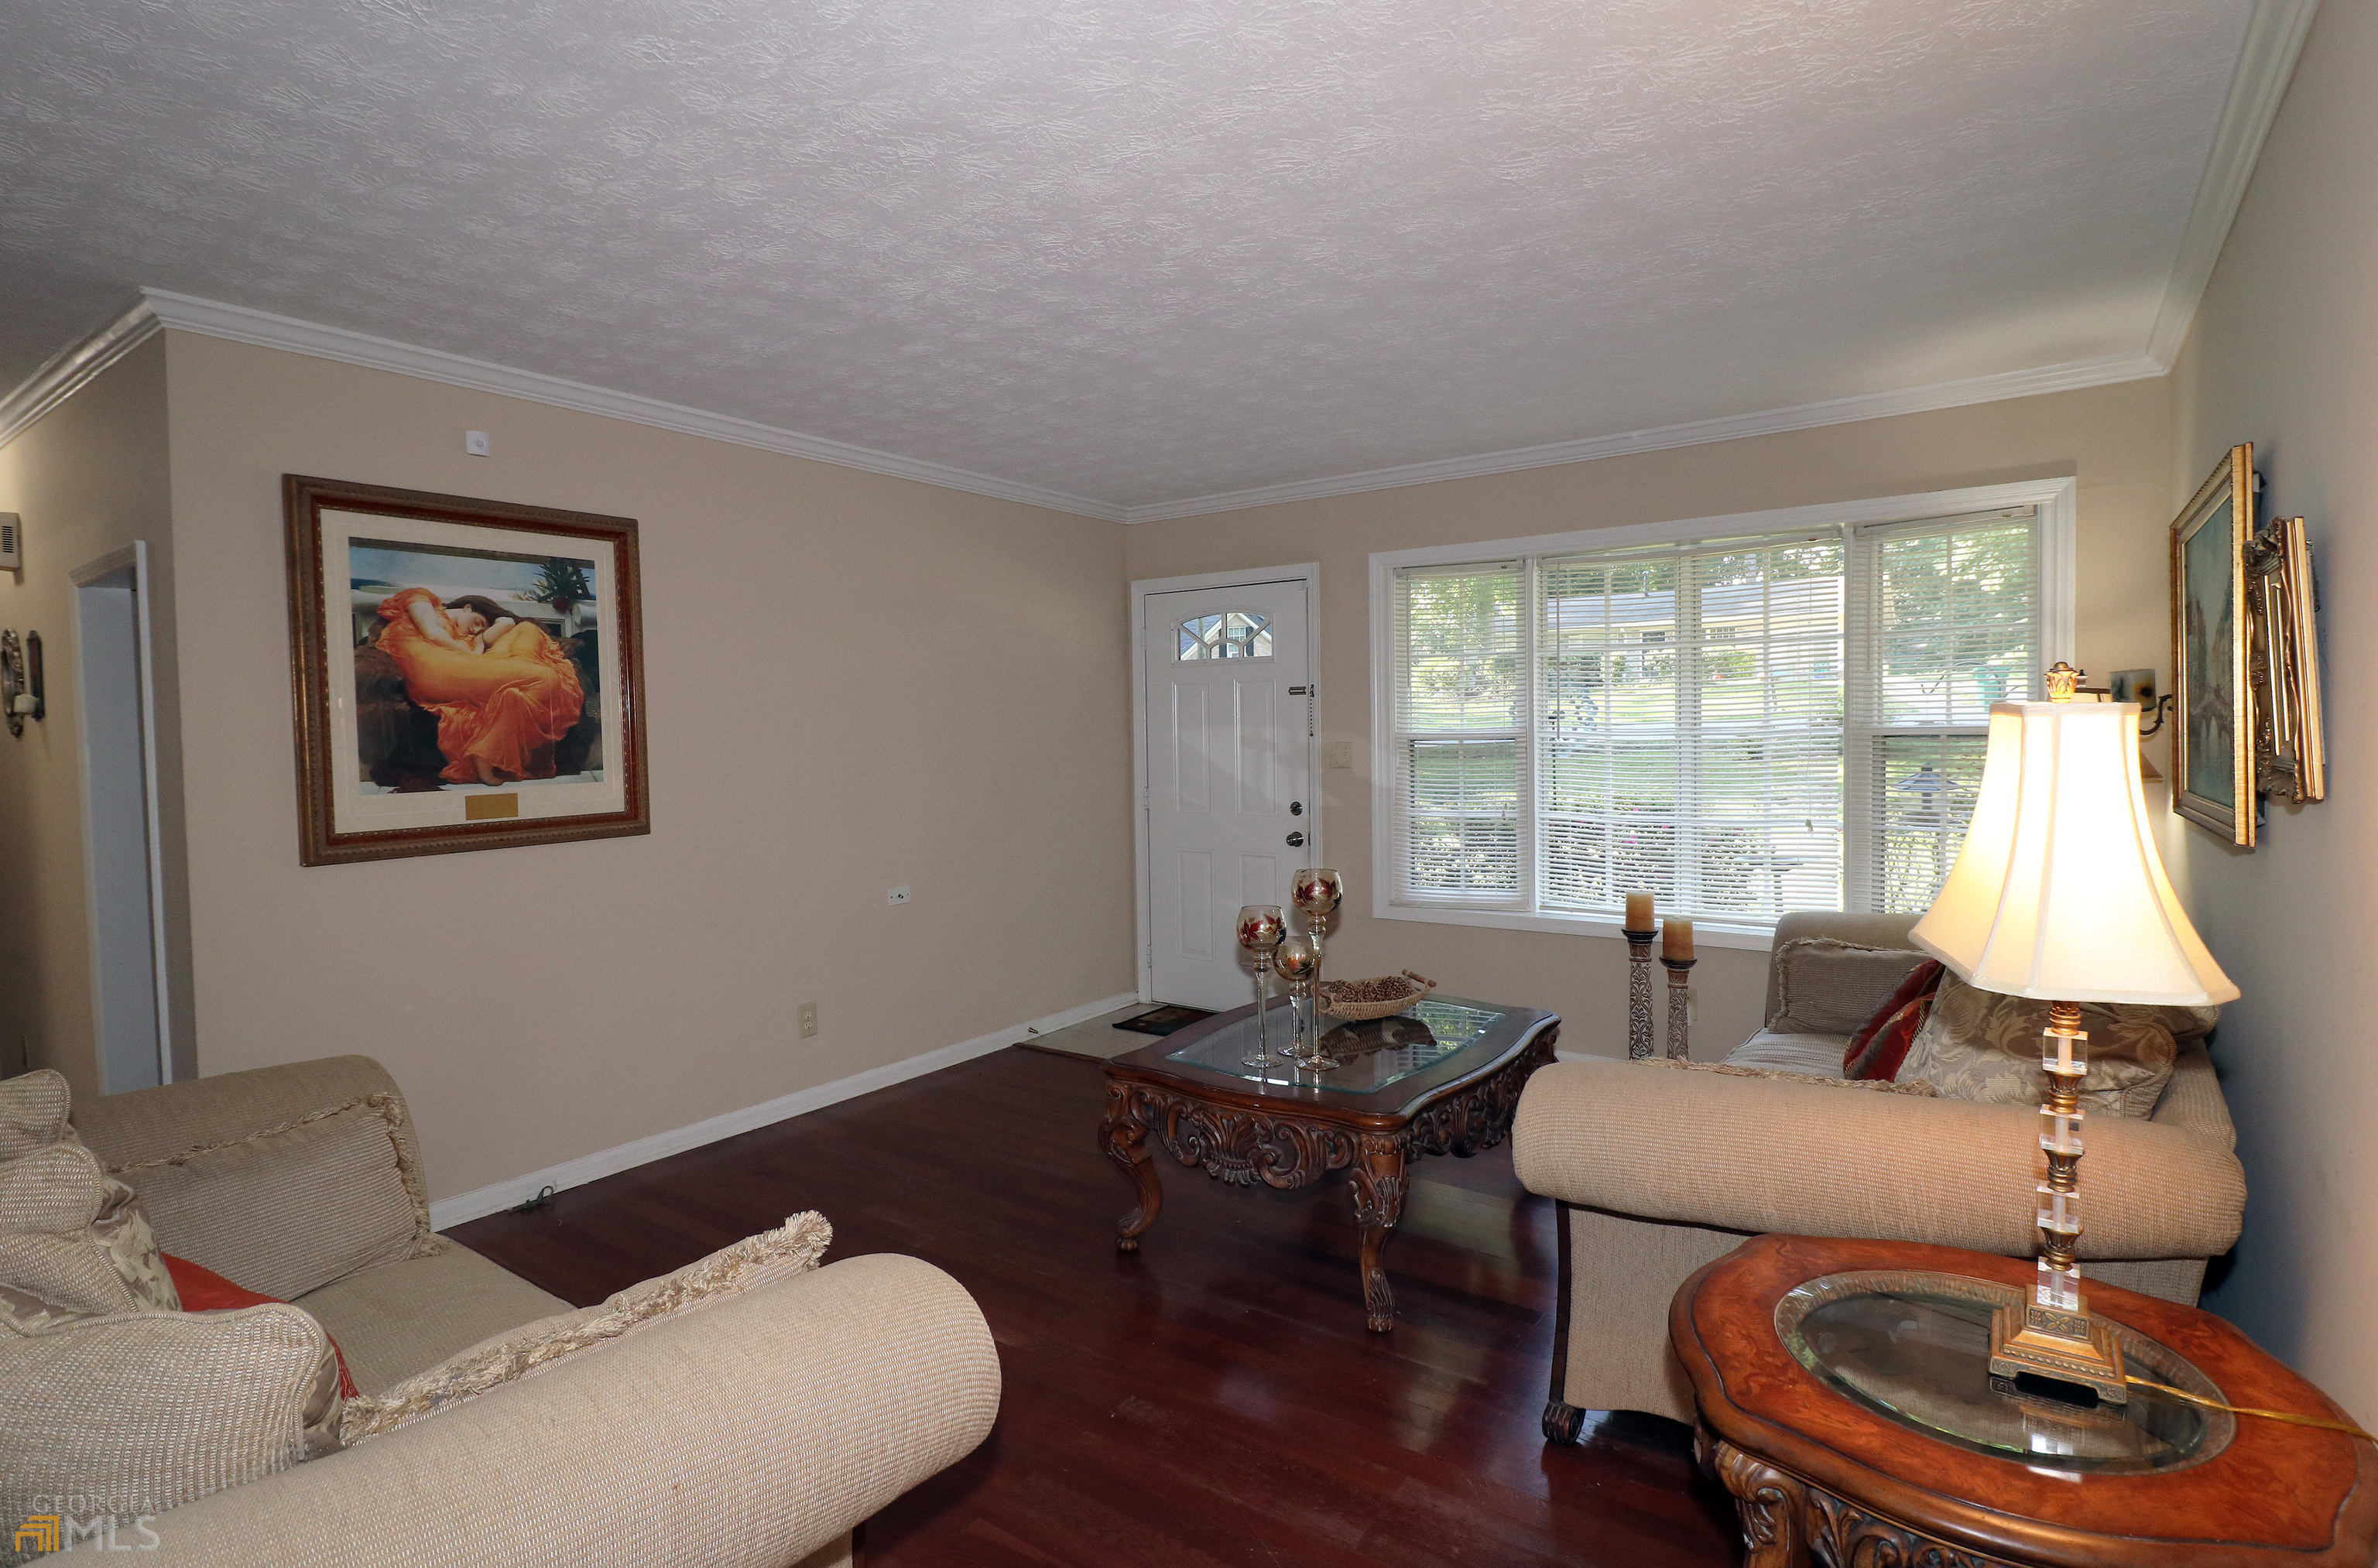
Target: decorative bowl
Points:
(1358, 999)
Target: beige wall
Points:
(852, 682)
(2115, 439)
(88, 478)
(2284, 353)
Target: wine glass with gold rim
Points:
(1262, 929)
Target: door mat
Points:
(1164, 1020)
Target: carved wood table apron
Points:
(1442, 1078)
(1844, 1401)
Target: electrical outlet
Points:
(895, 895)
(809, 1020)
(475, 443)
(1336, 753)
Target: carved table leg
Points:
(1379, 1189)
(1123, 1136)
(1773, 1506)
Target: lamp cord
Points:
(2289, 1417)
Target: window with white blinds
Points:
(1951, 623)
(1740, 725)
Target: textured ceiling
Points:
(1132, 251)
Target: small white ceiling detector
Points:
(475, 443)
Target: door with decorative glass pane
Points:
(1230, 805)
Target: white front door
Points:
(1230, 805)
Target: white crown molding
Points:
(501, 1195)
(158, 308)
(2275, 39)
(1768, 421)
(73, 368)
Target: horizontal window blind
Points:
(1951, 624)
(1689, 732)
(1741, 726)
(1460, 717)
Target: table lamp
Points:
(2058, 895)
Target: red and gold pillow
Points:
(203, 1290)
(1879, 1047)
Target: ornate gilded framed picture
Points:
(2213, 747)
(468, 675)
(2283, 664)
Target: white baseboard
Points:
(508, 1194)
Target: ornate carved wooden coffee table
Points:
(1845, 1401)
(1442, 1078)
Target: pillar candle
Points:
(1677, 938)
(1639, 911)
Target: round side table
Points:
(1846, 1401)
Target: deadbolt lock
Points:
(1296, 808)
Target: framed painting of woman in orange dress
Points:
(468, 673)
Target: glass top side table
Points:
(1916, 1347)
(1843, 1396)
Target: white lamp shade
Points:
(2059, 893)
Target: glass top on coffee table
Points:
(1374, 1053)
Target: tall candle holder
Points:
(1299, 962)
(1676, 957)
(1261, 930)
(1638, 992)
(1680, 1008)
(1316, 891)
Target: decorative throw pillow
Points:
(793, 1247)
(1783, 1075)
(1982, 1046)
(73, 1241)
(342, 1193)
(1824, 985)
(1879, 1047)
(33, 1108)
(203, 1290)
(141, 1413)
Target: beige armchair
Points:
(1658, 1172)
(757, 1430)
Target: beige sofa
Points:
(757, 1430)
(1658, 1172)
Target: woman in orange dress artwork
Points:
(503, 690)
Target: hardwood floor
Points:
(1212, 1399)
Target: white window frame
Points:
(2058, 504)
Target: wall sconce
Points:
(21, 679)
(2139, 687)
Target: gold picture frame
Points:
(2214, 728)
(2283, 656)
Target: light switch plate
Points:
(895, 895)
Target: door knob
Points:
(1296, 841)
